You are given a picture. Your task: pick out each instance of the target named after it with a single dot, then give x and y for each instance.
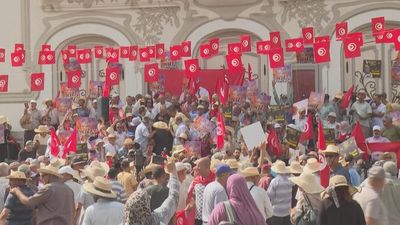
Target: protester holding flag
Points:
(362, 112)
(332, 159)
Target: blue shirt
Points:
(280, 194)
(19, 213)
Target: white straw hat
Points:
(308, 183)
(295, 167)
(280, 167)
(100, 187)
(311, 166)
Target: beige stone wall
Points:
(127, 22)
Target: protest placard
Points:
(253, 135)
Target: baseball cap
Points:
(376, 172)
(223, 168)
(66, 170)
(376, 127)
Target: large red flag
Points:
(223, 89)
(54, 144)
(386, 147)
(324, 168)
(250, 72)
(308, 132)
(3, 83)
(347, 98)
(308, 35)
(321, 52)
(70, 144)
(220, 130)
(341, 30)
(378, 25)
(37, 81)
(360, 139)
(273, 143)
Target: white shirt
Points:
(142, 136)
(183, 192)
(3, 187)
(111, 148)
(104, 212)
(75, 187)
(157, 107)
(120, 139)
(378, 120)
(262, 200)
(214, 193)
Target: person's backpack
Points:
(309, 215)
(230, 214)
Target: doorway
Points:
(303, 83)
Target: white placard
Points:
(300, 104)
(253, 135)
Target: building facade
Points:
(87, 23)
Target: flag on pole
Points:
(347, 98)
(70, 144)
(55, 143)
(220, 130)
(308, 132)
(273, 143)
(324, 168)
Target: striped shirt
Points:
(280, 194)
(119, 190)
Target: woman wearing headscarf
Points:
(309, 195)
(338, 207)
(243, 205)
(137, 209)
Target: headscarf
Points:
(137, 209)
(242, 202)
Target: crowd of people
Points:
(149, 163)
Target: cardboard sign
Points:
(373, 67)
(261, 101)
(395, 71)
(66, 92)
(316, 100)
(283, 74)
(237, 94)
(202, 126)
(63, 105)
(292, 137)
(298, 105)
(193, 146)
(329, 136)
(277, 112)
(349, 147)
(95, 89)
(86, 128)
(253, 135)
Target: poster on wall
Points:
(372, 67)
(283, 74)
(307, 56)
(395, 71)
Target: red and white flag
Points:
(263, 47)
(84, 56)
(245, 41)
(160, 52)
(389, 36)
(17, 58)
(74, 79)
(175, 52)
(18, 47)
(273, 143)
(72, 51)
(359, 137)
(124, 52)
(308, 131)
(98, 52)
(54, 143)
(70, 144)
(322, 52)
(205, 51)
(276, 58)
(152, 51)
(192, 68)
(396, 39)
(341, 30)
(151, 72)
(352, 48)
(308, 35)
(322, 39)
(3, 83)
(223, 89)
(112, 75)
(144, 54)
(324, 168)
(357, 36)
(46, 57)
(378, 25)
(2, 55)
(220, 130)
(234, 62)
(112, 55)
(250, 72)
(275, 38)
(133, 52)
(234, 48)
(347, 98)
(186, 49)
(294, 45)
(65, 56)
(37, 81)
(46, 47)
(214, 46)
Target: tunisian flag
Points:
(308, 132)
(54, 144)
(220, 130)
(70, 144)
(360, 139)
(223, 89)
(386, 147)
(346, 98)
(273, 142)
(324, 168)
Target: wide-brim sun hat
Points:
(250, 172)
(148, 169)
(50, 170)
(340, 181)
(3, 119)
(17, 175)
(94, 171)
(233, 164)
(280, 167)
(311, 166)
(42, 129)
(295, 167)
(100, 187)
(333, 149)
(177, 149)
(308, 183)
(160, 125)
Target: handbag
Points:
(309, 215)
(230, 214)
